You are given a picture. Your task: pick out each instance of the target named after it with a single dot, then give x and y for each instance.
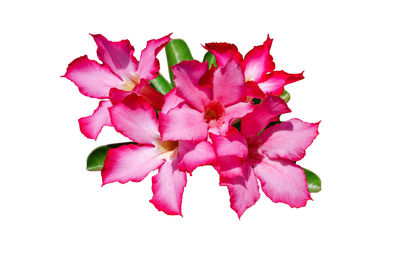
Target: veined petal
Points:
(149, 64)
(289, 139)
(268, 111)
(92, 125)
(183, 123)
(243, 190)
(258, 62)
(135, 119)
(187, 77)
(194, 154)
(228, 84)
(116, 55)
(93, 79)
(130, 163)
(168, 186)
(223, 52)
(283, 181)
(276, 81)
(232, 144)
(171, 100)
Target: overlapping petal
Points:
(171, 100)
(130, 163)
(223, 52)
(289, 139)
(274, 82)
(92, 125)
(194, 154)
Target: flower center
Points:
(167, 149)
(130, 83)
(213, 111)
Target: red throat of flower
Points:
(213, 111)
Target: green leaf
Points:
(176, 51)
(210, 59)
(161, 84)
(313, 181)
(96, 158)
(285, 96)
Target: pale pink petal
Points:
(228, 84)
(152, 96)
(168, 186)
(231, 144)
(130, 163)
(149, 64)
(258, 62)
(289, 139)
(223, 52)
(243, 190)
(194, 154)
(187, 76)
(283, 181)
(266, 112)
(93, 79)
(116, 55)
(92, 125)
(135, 119)
(276, 81)
(171, 100)
(183, 123)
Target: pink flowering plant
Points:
(224, 111)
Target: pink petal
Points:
(253, 90)
(187, 77)
(171, 100)
(223, 52)
(130, 163)
(232, 144)
(228, 84)
(229, 166)
(92, 125)
(168, 186)
(283, 181)
(233, 113)
(135, 119)
(117, 95)
(116, 55)
(268, 111)
(93, 79)
(258, 62)
(276, 81)
(149, 64)
(152, 96)
(183, 123)
(289, 139)
(194, 154)
(243, 190)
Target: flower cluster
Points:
(225, 114)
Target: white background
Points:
(54, 212)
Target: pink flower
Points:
(243, 157)
(137, 120)
(204, 100)
(258, 66)
(120, 75)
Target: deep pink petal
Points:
(187, 77)
(253, 90)
(149, 64)
(117, 95)
(223, 52)
(231, 144)
(130, 163)
(283, 181)
(228, 84)
(268, 111)
(135, 119)
(92, 125)
(233, 113)
(152, 96)
(258, 62)
(183, 123)
(194, 154)
(116, 55)
(171, 100)
(276, 81)
(243, 190)
(168, 186)
(229, 166)
(289, 139)
(93, 79)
